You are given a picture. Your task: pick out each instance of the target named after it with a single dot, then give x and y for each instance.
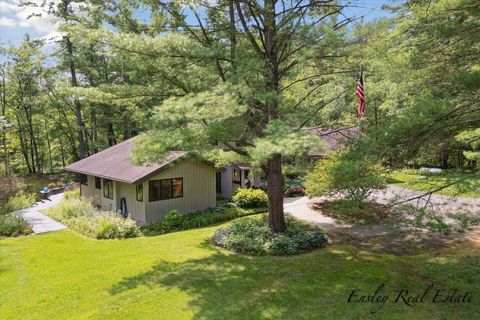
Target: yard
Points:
(464, 184)
(63, 275)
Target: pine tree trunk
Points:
(276, 217)
(78, 107)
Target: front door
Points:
(218, 180)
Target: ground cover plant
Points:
(224, 211)
(253, 236)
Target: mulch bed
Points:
(372, 212)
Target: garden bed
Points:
(253, 236)
(351, 212)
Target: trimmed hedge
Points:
(253, 236)
(11, 226)
(175, 221)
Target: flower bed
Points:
(253, 236)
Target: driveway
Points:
(443, 204)
(39, 222)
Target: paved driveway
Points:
(39, 222)
(443, 204)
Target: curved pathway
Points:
(39, 222)
(443, 204)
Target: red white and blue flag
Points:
(360, 93)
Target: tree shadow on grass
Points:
(316, 285)
(224, 285)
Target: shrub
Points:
(348, 172)
(253, 236)
(250, 198)
(294, 187)
(20, 201)
(175, 221)
(13, 226)
(51, 185)
(72, 194)
(81, 216)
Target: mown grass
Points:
(180, 275)
(464, 184)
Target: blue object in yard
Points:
(45, 190)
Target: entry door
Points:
(218, 180)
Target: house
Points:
(236, 176)
(147, 192)
(334, 138)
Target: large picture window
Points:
(140, 192)
(108, 188)
(165, 189)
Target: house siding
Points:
(198, 190)
(228, 187)
(136, 209)
(90, 191)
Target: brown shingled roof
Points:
(115, 163)
(334, 138)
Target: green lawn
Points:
(63, 275)
(467, 184)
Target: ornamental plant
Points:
(349, 172)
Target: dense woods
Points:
(252, 75)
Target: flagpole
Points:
(358, 115)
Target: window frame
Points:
(83, 179)
(159, 182)
(98, 183)
(106, 190)
(137, 188)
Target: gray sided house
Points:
(236, 176)
(148, 192)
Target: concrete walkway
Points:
(39, 222)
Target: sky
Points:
(15, 21)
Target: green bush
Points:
(348, 172)
(175, 221)
(20, 201)
(250, 198)
(253, 236)
(72, 194)
(12, 226)
(81, 216)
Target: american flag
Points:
(360, 93)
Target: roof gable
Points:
(334, 138)
(115, 163)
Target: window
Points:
(140, 192)
(236, 176)
(108, 188)
(84, 179)
(165, 189)
(98, 183)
